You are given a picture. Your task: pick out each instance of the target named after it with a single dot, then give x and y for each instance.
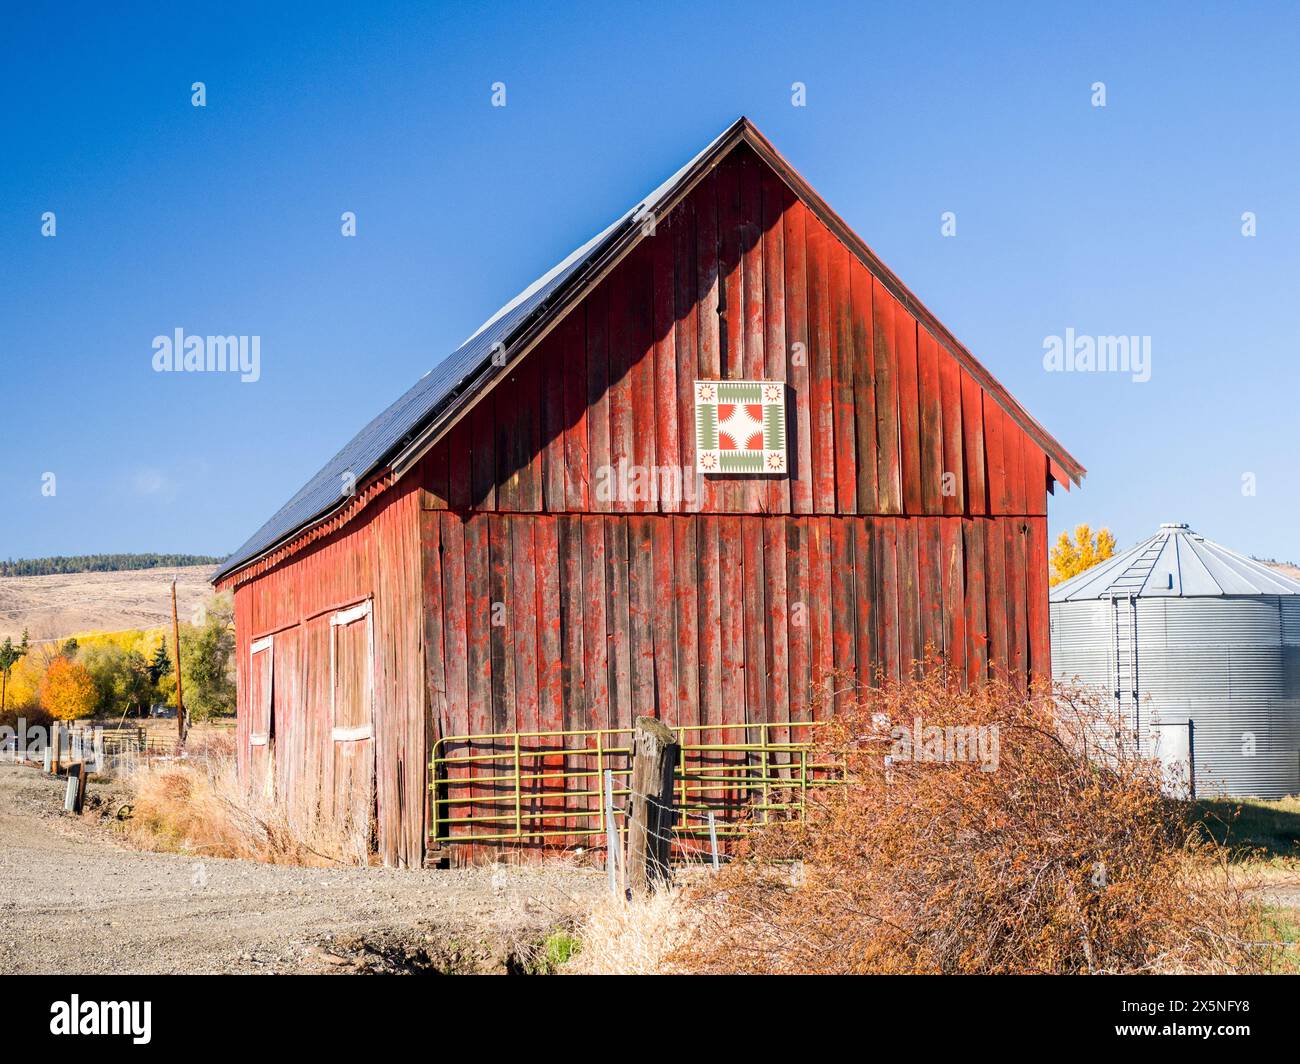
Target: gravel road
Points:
(73, 900)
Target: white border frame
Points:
(345, 617)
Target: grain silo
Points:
(1178, 630)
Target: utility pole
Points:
(180, 699)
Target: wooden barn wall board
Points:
(843, 362)
(889, 483)
(864, 388)
(772, 309)
(822, 421)
(799, 404)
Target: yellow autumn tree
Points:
(68, 691)
(1069, 558)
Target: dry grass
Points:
(632, 938)
(1064, 858)
(64, 604)
(199, 806)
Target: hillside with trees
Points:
(114, 675)
(100, 563)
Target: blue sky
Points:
(1122, 220)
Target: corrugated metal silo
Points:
(1178, 628)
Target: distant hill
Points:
(1286, 568)
(100, 563)
(64, 604)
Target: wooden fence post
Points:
(650, 815)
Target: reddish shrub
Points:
(1038, 841)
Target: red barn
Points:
(577, 519)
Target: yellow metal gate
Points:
(546, 788)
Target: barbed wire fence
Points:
(676, 840)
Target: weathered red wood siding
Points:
(375, 557)
(880, 411)
(921, 571)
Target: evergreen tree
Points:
(161, 664)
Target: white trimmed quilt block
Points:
(740, 426)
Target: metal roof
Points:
(392, 439)
(1175, 563)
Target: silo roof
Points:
(1175, 563)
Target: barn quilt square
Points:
(740, 426)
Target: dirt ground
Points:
(55, 607)
(72, 900)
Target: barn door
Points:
(352, 688)
(261, 737)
